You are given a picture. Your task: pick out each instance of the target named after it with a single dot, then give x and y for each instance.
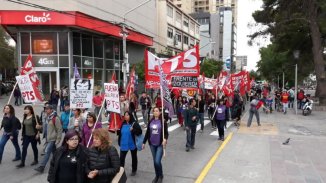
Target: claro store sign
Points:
(36, 18)
(31, 18)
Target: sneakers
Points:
(21, 165)
(155, 180)
(40, 169)
(187, 149)
(192, 147)
(160, 179)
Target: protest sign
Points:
(81, 93)
(112, 97)
(184, 82)
(26, 88)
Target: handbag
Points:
(120, 177)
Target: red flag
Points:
(242, 88)
(28, 69)
(113, 78)
(131, 84)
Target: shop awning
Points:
(71, 19)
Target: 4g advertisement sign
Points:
(26, 88)
(112, 97)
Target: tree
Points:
(6, 51)
(211, 67)
(256, 75)
(297, 25)
(140, 70)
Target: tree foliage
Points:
(255, 74)
(211, 67)
(6, 51)
(293, 25)
(140, 70)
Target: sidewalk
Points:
(256, 154)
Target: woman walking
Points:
(104, 162)
(129, 129)
(88, 127)
(154, 135)
(69, 161)
(11, 126)
(220, 117)
(133, 105)
(77, 121)
(30, 134)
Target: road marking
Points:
(209, 165)
(205, 123)
(215, 132)
(173, 127)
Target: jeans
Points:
(123, 155)
(291, 101)
(285, 106)
(26, 141)
(50, 148)
(201, 120)
(145, 115)
(4, 139)
(253, 111)
(157, 153)
(191, 134)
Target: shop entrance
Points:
(49, 80)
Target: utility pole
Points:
(283, 82)
(296, 89)
(124, 34)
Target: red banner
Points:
(28, 69)
(131, 85)
(184, 64)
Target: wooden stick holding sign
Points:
(12, 92)
(162, 103)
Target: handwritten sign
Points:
(26, 88)
(112, 97)
(81, 93)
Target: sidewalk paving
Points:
(256, 154)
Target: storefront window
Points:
(116, 51)
(87, 73)
(87, 62)
(98, 63)
(76, 43)
(44, 43)
(98, 47)
(25, 42)
(64, 75)
(109, 64)
(108, 49)
(87, 46)
(98, 78)
(63, 43)
(76, 61)
(109, 74)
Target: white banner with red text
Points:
(112, 97)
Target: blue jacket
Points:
(65, 119)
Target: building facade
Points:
(185, 5)
(177, 31)
(78, 33)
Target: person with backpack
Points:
(11, 126)
(300, 98)
(53, 137)
(30, 134)
(255, 104)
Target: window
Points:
(87, 46)
(197, 29)
(98, 47)
(192, 26)
(44, 43)
(178, 17)
(25, 43)
(186, 22)
(192, 41)
(76, 43)
(185, 39)
(178, 36)
(63, 43)
(170, 33)
(170, 11)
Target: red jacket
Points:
(285, 97)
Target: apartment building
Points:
(204, 6)
(185, 5)
(177, 31)
(233, 4)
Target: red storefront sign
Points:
(70, 18)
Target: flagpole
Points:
(12, 92)
(89, 140)
(162, 103)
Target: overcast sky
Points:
(245, 10)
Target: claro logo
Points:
(31, 18)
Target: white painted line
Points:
(173, 127)
(205, 123)
(214, 133)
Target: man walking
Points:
(53, 137)
(145, 103)
(191, 119)
(201, 107)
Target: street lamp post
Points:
(296, 55)
(124, 33)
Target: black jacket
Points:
(136, 130)
(107, 162)
(81, 164)
(10, 124)
(147, 134)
